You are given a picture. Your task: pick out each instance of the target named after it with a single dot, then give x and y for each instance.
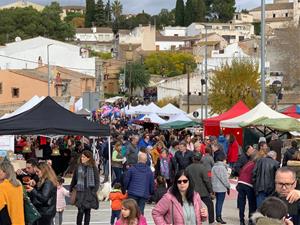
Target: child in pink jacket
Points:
(60, 201)
(130, 214)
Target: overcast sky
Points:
(149, 6)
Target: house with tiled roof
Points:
(279, 14)
(19, 85)
(99, 39)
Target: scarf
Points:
(164, 168)
(85, 173)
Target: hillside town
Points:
(190, 116)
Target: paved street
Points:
(102, 216)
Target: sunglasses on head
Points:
(182, 181)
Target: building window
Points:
(274, 15)
(15, 92)
(1, 89)
(241, 38)
(221, 51)
(173, 47)
(157, 47)
(237, 17)
(287, 15)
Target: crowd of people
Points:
(185, 174)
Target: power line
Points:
(29, 61)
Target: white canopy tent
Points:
(153, 118)
(148, 109)
(179, 117)
(26, 106)
(169, 110)
(261, 110)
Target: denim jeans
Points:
(260, 198)
(220, 197)
(140, 202)
(118, 172)
(245, 191)
(114, 216)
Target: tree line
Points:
(203, 11)
(28, 23)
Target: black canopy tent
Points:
(48, 117)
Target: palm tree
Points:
(116, 9)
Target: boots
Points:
(220, 220)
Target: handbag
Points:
(73, 196)
(4, 217)
(30, 212)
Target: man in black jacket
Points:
(202, 183)
(242, 160)
(264, 177)
(183, 157)
(288, 155)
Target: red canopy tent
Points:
(291, 111)
(212, 125)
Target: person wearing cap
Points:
(202, 183)
(276, 145)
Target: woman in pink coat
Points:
(181, 205)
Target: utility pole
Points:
(262, 48)
(99, 78)
(48, 61)
(188, 88)
(206, 75)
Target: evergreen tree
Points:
(223, 9)
(99, 14)
(89, 13)
(179, 13)
(188, 13)
(199, 11)
(108, 12)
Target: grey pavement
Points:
(102, 215)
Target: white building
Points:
(167, 43)
(279, 14)
(229, 31)
(174, 31)
(32, 53)
(99, 39)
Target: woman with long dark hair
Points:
(180, 205)
(86, 183)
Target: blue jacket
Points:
(139, 181)
(143, 143)
(223, 141)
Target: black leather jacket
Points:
(264, 175)
(44, 198)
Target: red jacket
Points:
(233, 152)
(246, 174)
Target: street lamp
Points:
(48, 68)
